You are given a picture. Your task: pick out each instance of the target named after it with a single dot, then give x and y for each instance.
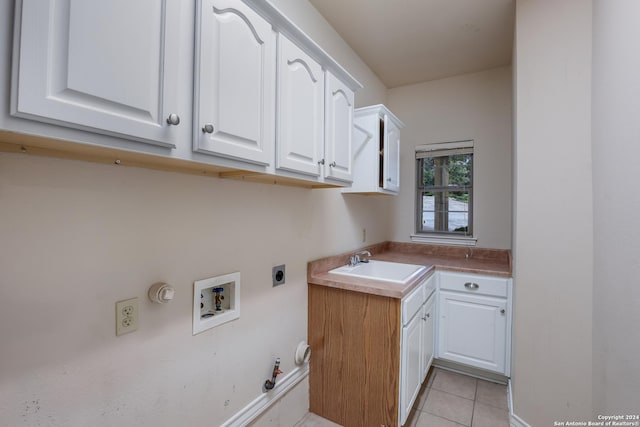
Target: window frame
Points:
(447, 149)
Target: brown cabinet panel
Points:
(355, 362)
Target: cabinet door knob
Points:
(207, 128)
(502, 311)
(321, 162)
(332, 164)
(389, 179)
(472, 286)
(173, 119)
(428, 315)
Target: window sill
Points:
(444, 240)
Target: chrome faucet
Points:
(355, 259)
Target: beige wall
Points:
(472, 106)
(76, 237)
(616, 301)
(553, 282)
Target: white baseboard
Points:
(261, 403)
(514, 420)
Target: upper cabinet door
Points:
(300, 110)
(105, 66)
(391, 176)
(338, 129)
(235, 82)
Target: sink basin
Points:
(382, 270)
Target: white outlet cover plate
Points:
(126, 316)
(231, 282)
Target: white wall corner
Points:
(514, 420)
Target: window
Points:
(445, 189)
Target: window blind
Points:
(444, 149)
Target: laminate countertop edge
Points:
(482, 261)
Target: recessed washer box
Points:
(215, 301)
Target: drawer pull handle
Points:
(471, 285)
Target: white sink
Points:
(382, 270)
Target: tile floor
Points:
(449, 399)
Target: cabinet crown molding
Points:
(381, 110)
(283, 25)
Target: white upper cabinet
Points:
(376, 151)
(227, 87)
(90, 65)
(338, 129)
(300, 111)
(234, 82)
(391, 155)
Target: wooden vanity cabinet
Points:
(355, 362)
(371, 353)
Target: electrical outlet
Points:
(126, 316)
(278, 275)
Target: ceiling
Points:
(412, 41)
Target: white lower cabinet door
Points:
(411, 363)
(472, 330)
(235, 82)
(428, 329)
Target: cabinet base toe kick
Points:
(470, 371)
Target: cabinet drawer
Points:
(474, 283)
(411, 303)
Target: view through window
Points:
(444, 190)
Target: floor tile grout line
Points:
(490, 404)
(430, 387)
(493, 406)
(473, 410)
(445, 418)
(459, 374)
(451, 394)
